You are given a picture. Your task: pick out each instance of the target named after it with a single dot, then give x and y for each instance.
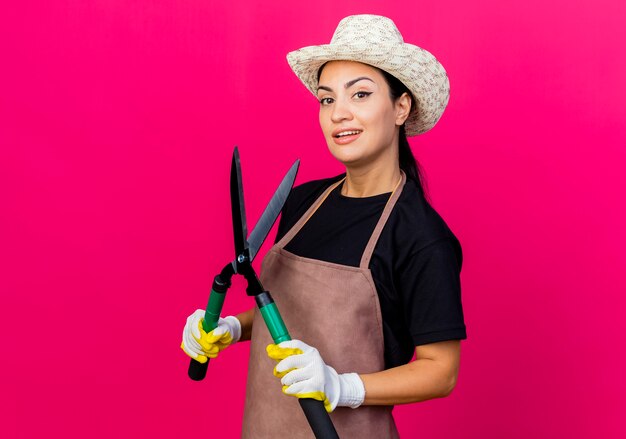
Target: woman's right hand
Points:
(201, 345)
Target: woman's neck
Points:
(369, 182)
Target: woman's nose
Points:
(341, 111)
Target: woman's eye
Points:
(362, 94)
(326, 101)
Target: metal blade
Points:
(272, 210)
(240, 228)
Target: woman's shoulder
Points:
(417, 225)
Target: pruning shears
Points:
(246, 249)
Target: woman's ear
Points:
(403, 108)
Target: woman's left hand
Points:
(304, 374)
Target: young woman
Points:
(364, 271)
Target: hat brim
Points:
(417, 68)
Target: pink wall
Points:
(117, 122)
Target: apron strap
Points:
(304, 218)
(369, 249)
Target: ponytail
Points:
(410, 165)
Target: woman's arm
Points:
(245, 318)
(432, 375)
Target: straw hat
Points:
(375, 40)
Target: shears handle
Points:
(314, 410)
(197, 371)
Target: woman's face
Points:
(358, 118)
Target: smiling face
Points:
(359, 120)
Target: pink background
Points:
(117, 123)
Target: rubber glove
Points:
(200, 345)
(304, 374)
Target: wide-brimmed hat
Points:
(375, 40)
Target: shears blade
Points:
(247, 249)
(240, 227)
(272, 210)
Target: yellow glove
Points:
(304, 374)
(200, 345)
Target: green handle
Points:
(197, 371)
(274, 323)
(213, 310)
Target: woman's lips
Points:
(346, 139)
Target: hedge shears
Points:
(246, 249)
